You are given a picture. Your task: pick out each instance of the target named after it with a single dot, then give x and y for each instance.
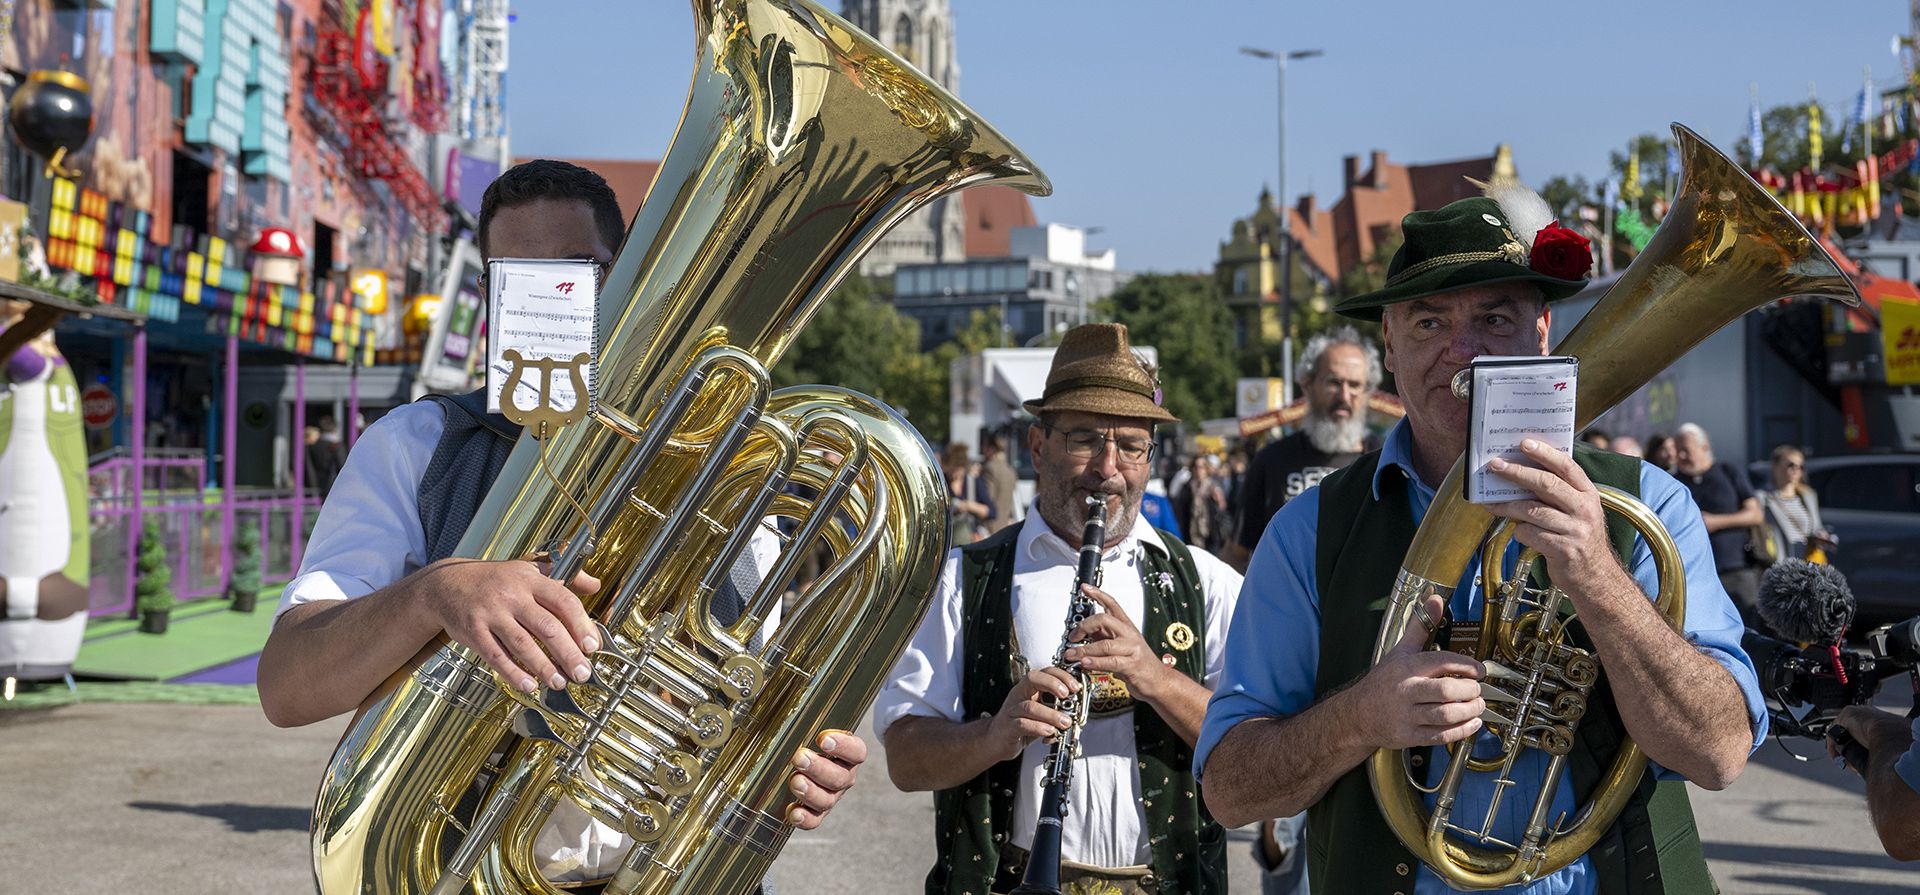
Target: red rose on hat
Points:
(1560, 252)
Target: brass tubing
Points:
(802, 142)
(610, 500)
(1725, 247)
(674, 530)
(853, 461)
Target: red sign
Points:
(98, 406)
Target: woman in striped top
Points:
(1793, 509)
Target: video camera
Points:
(1806, 687)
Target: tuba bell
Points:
(802, 142)
(1726, 247)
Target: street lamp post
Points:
(1280, 201)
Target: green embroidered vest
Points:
(1652, 848)
(971, 821)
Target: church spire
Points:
(921, 31)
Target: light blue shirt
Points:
(1273, 645)
(1907, 765)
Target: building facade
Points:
(1249, 274)
(1331, 243)
(258, 182)
(1047, 283)
(921, 31)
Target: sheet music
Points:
(1516, 398)
(545, 310)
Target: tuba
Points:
(802, 142)
(1726, 247)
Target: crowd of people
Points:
(1208, 691)
(1221, 501)
(1750, 527)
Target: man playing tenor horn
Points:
(1301, 707)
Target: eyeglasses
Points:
(1790, 464)
(1086, 444)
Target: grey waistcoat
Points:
(472, 450)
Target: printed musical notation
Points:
(556, 316)
(1514, 399)
(546, 311)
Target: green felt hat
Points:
(1471, 242)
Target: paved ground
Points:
(172, 799)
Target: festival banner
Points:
(1900, 327)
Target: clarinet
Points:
(1043, 859)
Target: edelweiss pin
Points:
(1513, 250)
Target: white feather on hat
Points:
(1526, 212)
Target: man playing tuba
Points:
(1299, 708)
(378, 581)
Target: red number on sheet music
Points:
(564, 288)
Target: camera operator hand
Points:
(1892, 773)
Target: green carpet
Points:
(201, 635)
(54, 694)
(101, 628)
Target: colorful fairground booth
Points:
(217, 316)
(216, 198)
(1256, 421)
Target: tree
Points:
(1185, 319)
(244, 586)
(153, 581)
(1652, 151)
(850, 342)
(1785, 130)
(1370, 276)
(1566, 196)
(983, 331)
(859, 341)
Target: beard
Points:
(1333, 436)
(1063, 504)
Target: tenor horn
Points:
(1725, 247)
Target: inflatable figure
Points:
(44, 534)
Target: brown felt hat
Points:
(1095, 371)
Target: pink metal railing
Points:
(189, 516)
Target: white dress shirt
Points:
(1106, 826)
(369, 536)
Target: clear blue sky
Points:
(1153, 126)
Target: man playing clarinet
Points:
(974, 703)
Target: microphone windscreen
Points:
(1806, 602)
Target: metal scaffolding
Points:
(483, 76)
